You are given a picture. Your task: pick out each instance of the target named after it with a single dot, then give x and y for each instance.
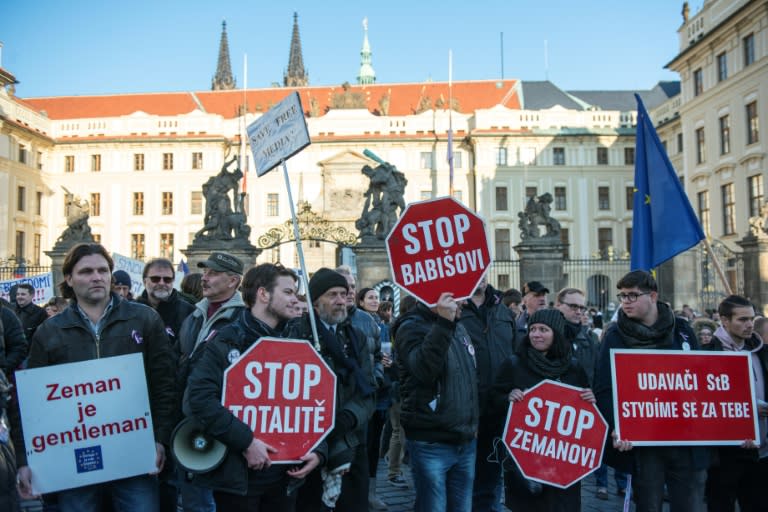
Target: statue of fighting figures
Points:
(77, 212)
(537, 215)
(384, 201)
(225, 217)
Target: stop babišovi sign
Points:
(438, 246)
(285, 392)
(555, 436)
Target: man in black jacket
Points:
(15, 344)
(99, 324)
(492, 329)
(438, 388)
(269, 291)
(30, 314)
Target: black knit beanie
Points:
(552, 318)
(323, 280)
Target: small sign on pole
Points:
(278, 134)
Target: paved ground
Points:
(401, 500)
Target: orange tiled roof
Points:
(404, 99)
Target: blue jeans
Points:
(128, 495)
(601, 476)
(443, 475)
(656, 466)
(193, 497)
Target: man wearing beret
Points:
(534, 299)
(345, 350)
(221, 304)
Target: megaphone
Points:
(194, 450)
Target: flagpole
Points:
(243, 133)
(450, 123)
(718, 268)
(300, 250)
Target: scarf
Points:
(344, 366)
(658, 336)
(548, 368)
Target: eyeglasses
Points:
(157, 279)
(630, 297)
(576, 307)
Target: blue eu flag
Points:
(663, 222)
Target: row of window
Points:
(560, 202)
(503, 245)
(166, 204)
(755, 192)
(21, 245)
(138, 162)
(558, 156)
(21, 200)
(724, 127)
(427, 160)
(748, 58)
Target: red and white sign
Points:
(438, 246)
(554, 436)
(86, 423)
(676, 397)
(285, 392)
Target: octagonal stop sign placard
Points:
(285, 392)
(555, 436)
(438, 246)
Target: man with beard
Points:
(644, 322)
(741, 473)
(30, 314)
(534, 299)
(246, 480)
(345, 350)
(491, 327)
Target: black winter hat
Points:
(121, 277)
(323, 280)
(552, 318)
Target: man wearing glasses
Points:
(644, 322)
(160, 295)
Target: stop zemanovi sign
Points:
(285, 392)
(438, 246)
(554, 436)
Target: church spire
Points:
(367, 74)
(223, 80)
(295, 76)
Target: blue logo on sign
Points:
(88, 459)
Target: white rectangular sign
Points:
(43, 284)
(279, 134)
(87, 422)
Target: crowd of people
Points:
(429, 386)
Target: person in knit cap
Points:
(543, 354)
(342, 484)
(121, 284)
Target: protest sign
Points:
(43, 284)
(278, 134)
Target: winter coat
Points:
(173, 312)
(30, 316)
(13, 343)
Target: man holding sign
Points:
(99, 324)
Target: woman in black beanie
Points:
(543, 354)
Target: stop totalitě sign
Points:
(438, 246)
(285, 392)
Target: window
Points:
(196, 203)
(37, 245)
(138, 203)
(166, 245)
(167, 161)
(197, 160)
(95, 163)
(273, 205)
(602, 156)
(755, 186)
(679, 142)
(749, 49)
(23, 154)
(664, 145)
(502, 281)
(425, 160)
(137, 246)
(604, 240)
(501, 156)
(138, 161)
(722, 67)
(603, 198)
(167, 206)
(40, 160)
(628, 239)
(69, 163)
(725, 135)
(701, 148)
(501, 199)
(314, 244)
(531, 192)
(729, 209)
(39, 203)
(630, 198)
(565, 239)
(425, 195)
(560, 200)
(20, 239)
(95, 204)
(702, 199)
(97, 237)
(698, 82)
(558, 156)
(629, 156)
(21, 199)
(457, 159)
(753, 134)
(503, 247)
